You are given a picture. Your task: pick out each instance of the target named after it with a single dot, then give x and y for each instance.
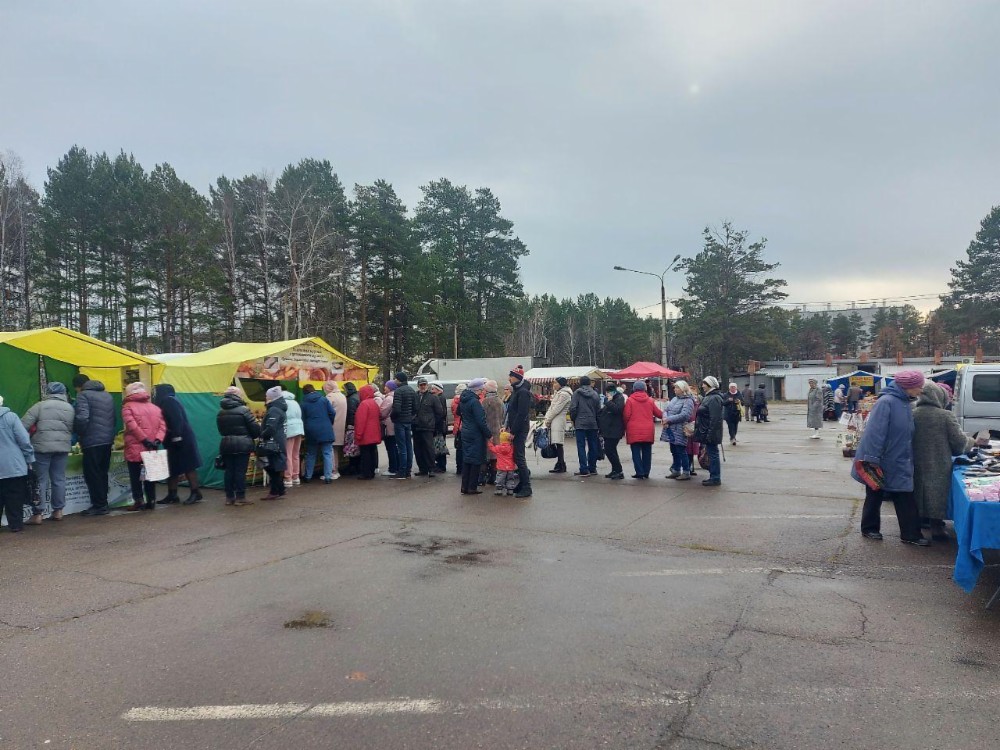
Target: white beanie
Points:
(711, 381)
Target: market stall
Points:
(30, 360)
(542, 379)
(868, 382)
(974, 507)
(200, 378)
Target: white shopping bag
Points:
(845, 419)
(155, 463)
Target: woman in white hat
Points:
(708, 428)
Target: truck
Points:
(977, 397)
(455, 370)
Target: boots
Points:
(194, 497)
(170, 499)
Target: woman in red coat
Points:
(640, 429)
(368, 431)
(144, 431)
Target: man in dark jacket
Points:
(612, 428)
(518, 424)
(353, 402)
(237, 429)
(317, 419)
(94, 423)
(404, 408)
(708, 428)
(583, 411)
(760, 404)
(440, 460)
(429, 413)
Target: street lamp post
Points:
(663, 303)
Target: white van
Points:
(977, 397)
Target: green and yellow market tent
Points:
(199, 380)
(29, 358)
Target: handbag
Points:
(870, 474)
(549, 451)
(220, 462)
(440, 446)
(542, 440)
(703, 460)
(267, 447)
(351, 449)
(689, 429)
(155, 464)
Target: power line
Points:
(857, 302)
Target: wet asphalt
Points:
(391, 614)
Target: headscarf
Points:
(134, 388)
(330, 386)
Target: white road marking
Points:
(844, 515)
(769, 569)
(370, 709)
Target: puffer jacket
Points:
(95, 422)
(353, 402)
(679, 412)
(708, 422)
(339, 403)
(318, 416)
(16, 452)
(236, 425)
(584, 408)
(888, 439)
(638, 416)
(52, 418)
(385, 411)
(143, 421)
(475, 431)
(611, 420)
(293, 416)
(367, 420)
(429, 413)
(274, 429)
(404, 404)
(555, 416)
(519, 409)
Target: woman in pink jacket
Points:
(640, 429)
(144, 431)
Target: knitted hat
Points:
(133, 388)
(711, 381)
(947, 389)
(436, 385)
(460, 387)
(517, 372)
(392, 385)
(908, 379)
(478, 384)
(232, 390)
(561, 380)
(272, 394)
(638, 386)
(54, 389)
(733, 385)
(401, 377)
(422, 381)
(491, 386)
(331, 386)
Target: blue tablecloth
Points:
(977, 526)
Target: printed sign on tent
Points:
(303, 363)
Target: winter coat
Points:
(237, 426)
(519, 409)
(888, 439)
(708, 420)
(16, 452)
(505, 455)
(747, 395)
(143, 422)
(827, 398)
(936, 439)
(353, 402)
(475, 431)
(52, 418)
(732, 406)
(404, 404)
(679, 412)
(181, 443)
(94, 422)
(838, 396)
(555, 416)
(760, 397)
(814, 409)
(456, 414)
(367, 420)
(274, 429)
(429, 413)
(493, 407)
(294, 426)
(584, 407)
(339, 403)
(385, 411)
(318, 417)
(854, 394)
(611, 420)
(638, 416)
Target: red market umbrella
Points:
(643, 370)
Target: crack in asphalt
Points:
(161, 591)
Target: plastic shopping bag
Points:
(155, 464)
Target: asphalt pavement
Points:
(391, 614)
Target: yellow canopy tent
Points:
(200, 378)
(60, 354)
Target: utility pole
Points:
(663, 304)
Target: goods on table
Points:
(982, 478)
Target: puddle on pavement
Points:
(312, 618)
(450, 551)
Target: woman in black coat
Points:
(237, 429)
(475, 433)
(612, 427)
(183, 457)
(272, 433)
(708, 428)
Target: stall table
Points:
(977, 526)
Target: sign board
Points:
(863, 381)
(304, 363)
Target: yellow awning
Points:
(74, 348)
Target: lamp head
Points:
(619, 268)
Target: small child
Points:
(506, 468)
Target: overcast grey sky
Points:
(861, 138)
